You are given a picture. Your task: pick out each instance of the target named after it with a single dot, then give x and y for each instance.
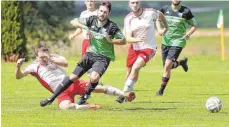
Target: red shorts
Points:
(76, 88)
(85, 45)
(145, 54)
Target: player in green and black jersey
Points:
(103, 35)
(178, 18)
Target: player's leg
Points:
(175, 52)
(99, 67)
(169, 55)
(66, 98)
(67, 104)
(131, 58)
(80, 69)
(110, 90)
(143, 57)
(184, 63)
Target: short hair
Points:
(41, 48)
(106, 4)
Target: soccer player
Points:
(91, 10)
(178, 17)
(104, 34)
(47, 68)
(140, 33)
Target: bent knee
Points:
(94, 77)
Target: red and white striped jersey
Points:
(143, 25)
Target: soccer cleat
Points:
(83, 99)
(120, 99)
(93, 106)
(159, 93)
(45, 102)
(130, 96)
(184, 64)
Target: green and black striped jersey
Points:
(177, 21)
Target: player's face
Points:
(103, 13)
(90, 4)
(134, 5)
(175, 2)
(43, 57)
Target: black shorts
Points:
(98, 63)
(170, 52)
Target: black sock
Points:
(62, 87)
(91, 87)
(164, 82)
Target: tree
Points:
(13, 37)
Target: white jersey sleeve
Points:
(87, 14)
(31, 68)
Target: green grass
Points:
(183, 104)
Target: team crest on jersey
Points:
(103, 31)
(51, 67)
(180, 14)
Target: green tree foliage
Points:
(13, 37)
(47, 22)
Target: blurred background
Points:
(28, 23)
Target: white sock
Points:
(109, 90)
(80, 107)
(129, 85)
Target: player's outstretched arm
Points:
(77, 24)
(76, 33)
(118, 40)
(18, 73)
(59, 60)
(192, 22)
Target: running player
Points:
(178, 17)
(140, 33)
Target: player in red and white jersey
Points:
(91, 10)
(139, 29)
(47, 68)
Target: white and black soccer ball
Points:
(214, 104)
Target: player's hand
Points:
(71, 36)
(186, 36)
(142, 38)
(162, 32)
(88, 34)
(20, 62)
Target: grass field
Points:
(183, 104)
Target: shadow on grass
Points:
(151, 102)
(213, 94)
(145, 109)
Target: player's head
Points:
(90, 4)
(42, 54)
(104, 10)
(135, 5)
(176, 2)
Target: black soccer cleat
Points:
(120, 99)
(83, 99)
(45, 102)
(184, 64)
(159, 93)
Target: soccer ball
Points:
(213, 104)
